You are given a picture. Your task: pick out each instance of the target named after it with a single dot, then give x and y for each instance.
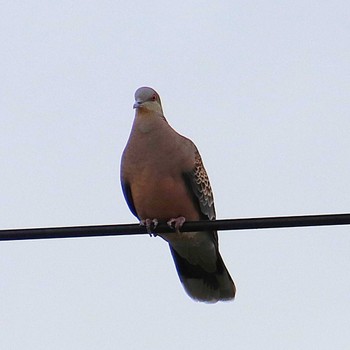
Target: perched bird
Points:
(164, 180)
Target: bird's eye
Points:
(153, 97)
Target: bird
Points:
(163, 180)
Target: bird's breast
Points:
(154, 164)
(161, 196)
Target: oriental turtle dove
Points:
(164, 180)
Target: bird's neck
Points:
(147, 121)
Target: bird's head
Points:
(147, 99)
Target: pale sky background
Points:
(262, 88)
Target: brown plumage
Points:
(163, 178)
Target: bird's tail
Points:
(203, 285)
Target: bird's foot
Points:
(176, 223)
(150, 225)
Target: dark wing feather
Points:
(128, 197)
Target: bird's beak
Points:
(137, 104)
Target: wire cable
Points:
(135, 229)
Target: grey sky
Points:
(262, 88)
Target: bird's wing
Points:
(197, 182)
(128, 196)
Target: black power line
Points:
(134, 229)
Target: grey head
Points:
(148, 99)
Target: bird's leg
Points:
(176, 223)
(149, 224)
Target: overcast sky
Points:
(261, 87)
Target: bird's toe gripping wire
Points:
(176, 223)
(150, 225)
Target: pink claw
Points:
(150, 224)
(176, 223)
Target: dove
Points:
(164, 181)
